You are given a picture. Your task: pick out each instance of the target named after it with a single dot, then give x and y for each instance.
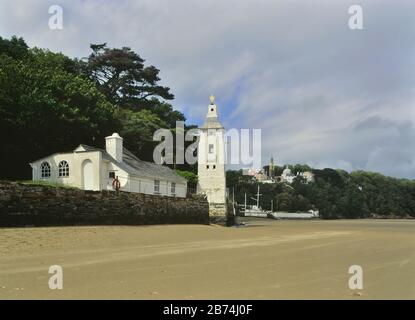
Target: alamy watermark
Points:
(355, 21)
(56, 280)
(356, 280)
(356, 18)
(232, 146)
(56, 18)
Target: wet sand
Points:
(264, 260)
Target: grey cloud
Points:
(321, 93)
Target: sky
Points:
(322, 93)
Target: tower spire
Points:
(212, 120)
(211, 162)
(271, 166)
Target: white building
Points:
(211, 161)
(91, 168)
(288, 176)
(307, 175)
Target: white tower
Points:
(211, 162)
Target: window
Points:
(45, 170)
(214, 167)
(207, 167)
(211, 147)
(111, 174)
(173, 189)
(156, 186)
(63, 169)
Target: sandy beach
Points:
(264, 260)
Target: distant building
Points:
(261, 176)
(249, 172)
(271, 172)
(307, 175)
(287, 176)
(268, 175)
(257, 176)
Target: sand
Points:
(264, 260)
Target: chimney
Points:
(113, 146)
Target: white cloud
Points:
(291, 68)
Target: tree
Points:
(166, 112)
(121, 76)
(278, 170)
(15, 48)
(190, 177)
(137, 129)
(46, 108)
(50, 103)
(335, 193)
(283, 202)
(300, 204)
(299, 168)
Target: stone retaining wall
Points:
(37, 205)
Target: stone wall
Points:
(37, 205)
(217, 209)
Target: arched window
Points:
(45, 170)
(63, 169)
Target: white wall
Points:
(96, 158)
(106, 182)
(211, 169)
(101, 169)
(54, 161)
(145, 185)
(76, 162)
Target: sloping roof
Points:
(87, 148)
(149, 169)
(137, 167)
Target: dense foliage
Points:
(50, 103)
(335, 193)
(190, 177)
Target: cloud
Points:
(321, 93)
